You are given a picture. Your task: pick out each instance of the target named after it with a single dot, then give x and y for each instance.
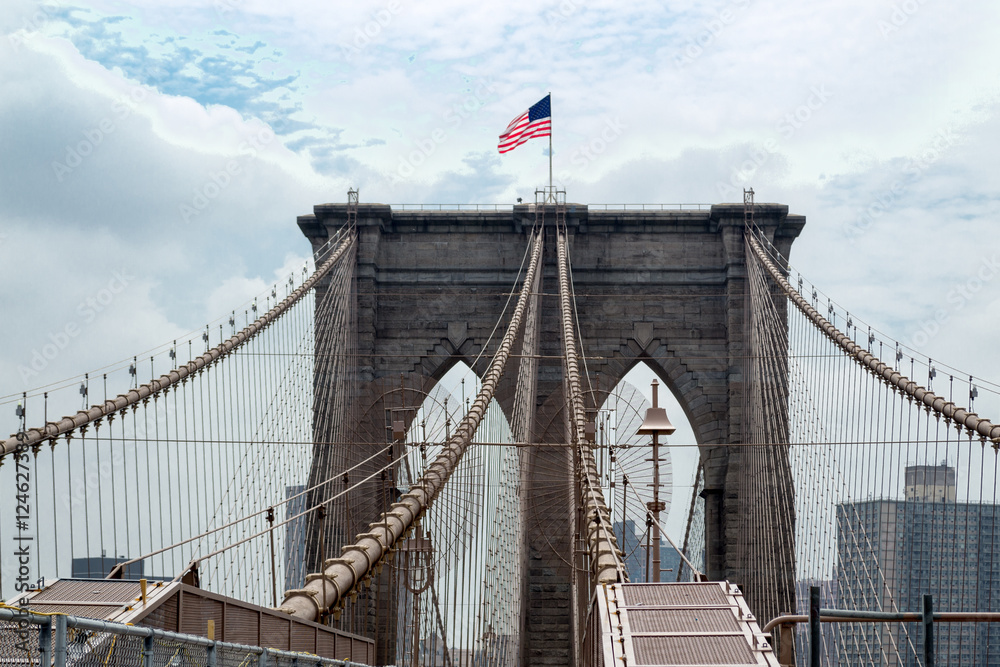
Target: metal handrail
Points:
(651, 207)
(850, 616)
(58, 623)
(452, 207)
(509, 207)
(786, 650)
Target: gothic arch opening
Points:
(461, 562)
(625, 461)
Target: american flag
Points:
(535, 122)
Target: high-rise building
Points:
(633, 545)
(893, 552)
(931, 484)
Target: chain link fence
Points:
(29, 639)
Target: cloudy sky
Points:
(160, 151)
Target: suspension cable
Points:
(605, 557)
(869, 361)
(340, 576)
(67, 424)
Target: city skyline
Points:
(893, 552)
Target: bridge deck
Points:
(673, 624)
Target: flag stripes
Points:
(535, 122)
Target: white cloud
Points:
(239, 292)
(92, 184)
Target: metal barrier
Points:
(452, 207)
(650, 207)
(927, 617)
(593, 207)
(27, 638)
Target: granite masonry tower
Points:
(661, 287)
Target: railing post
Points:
(928, 621)
(210, 655)
(262, 660)
(274, 581)
(147, 651)
(786, 645)
(814, 630)
(59, 654)
(45, 643)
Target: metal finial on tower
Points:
(352, 208)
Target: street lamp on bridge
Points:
(655, 424)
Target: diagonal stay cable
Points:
(982, 427)
(342, 575)
(336, 477)
(280, 524)
(67, 424)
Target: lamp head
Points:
(656, 423)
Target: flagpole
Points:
(551, 191)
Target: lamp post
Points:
(655, 423)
